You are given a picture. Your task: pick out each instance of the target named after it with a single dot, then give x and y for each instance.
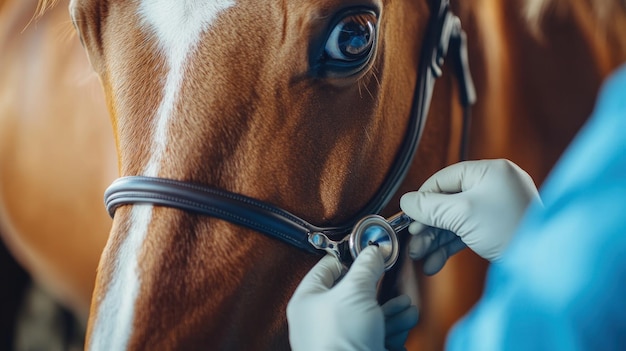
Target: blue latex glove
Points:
(473, 203)
(327, 314)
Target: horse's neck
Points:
(208, 282)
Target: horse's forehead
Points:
(178, 23)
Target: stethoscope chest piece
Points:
(375, 230)
(370, 230)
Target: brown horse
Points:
(57, 154)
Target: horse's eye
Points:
(349, 45)
(352, 38)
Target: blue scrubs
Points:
(561, 284)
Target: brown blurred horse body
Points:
(57, 153)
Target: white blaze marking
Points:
(177, 25)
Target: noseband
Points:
(444, 37)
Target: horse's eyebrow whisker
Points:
(369, 92)
(375, 74)
(367, 134)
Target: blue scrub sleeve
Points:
(561, 284)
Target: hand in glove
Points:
(473, 203)
(324, 314)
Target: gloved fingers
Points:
(400, 315)
(366, 271)
(455, 178)
(506, 169)
(422, 244)
(396, 342)
(396, 305)
(321, 277)
(417, 227)
(429, 240)
(402, 322)
(400, 318)
(436, 260)
(445, 211)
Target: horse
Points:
(212, 98)
(55, 224)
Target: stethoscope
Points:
(371, 230)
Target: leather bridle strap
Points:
(235, 208)
(444, 35)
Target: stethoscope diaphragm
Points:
(370, 230)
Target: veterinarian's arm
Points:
(562, 282)
(324, 314)
(473, 203)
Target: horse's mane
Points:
(43, 6)
(601, 9)
(604, 21)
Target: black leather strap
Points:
(444, 34)
(222, 204)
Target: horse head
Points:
(302, 105)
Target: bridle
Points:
(444, 37)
